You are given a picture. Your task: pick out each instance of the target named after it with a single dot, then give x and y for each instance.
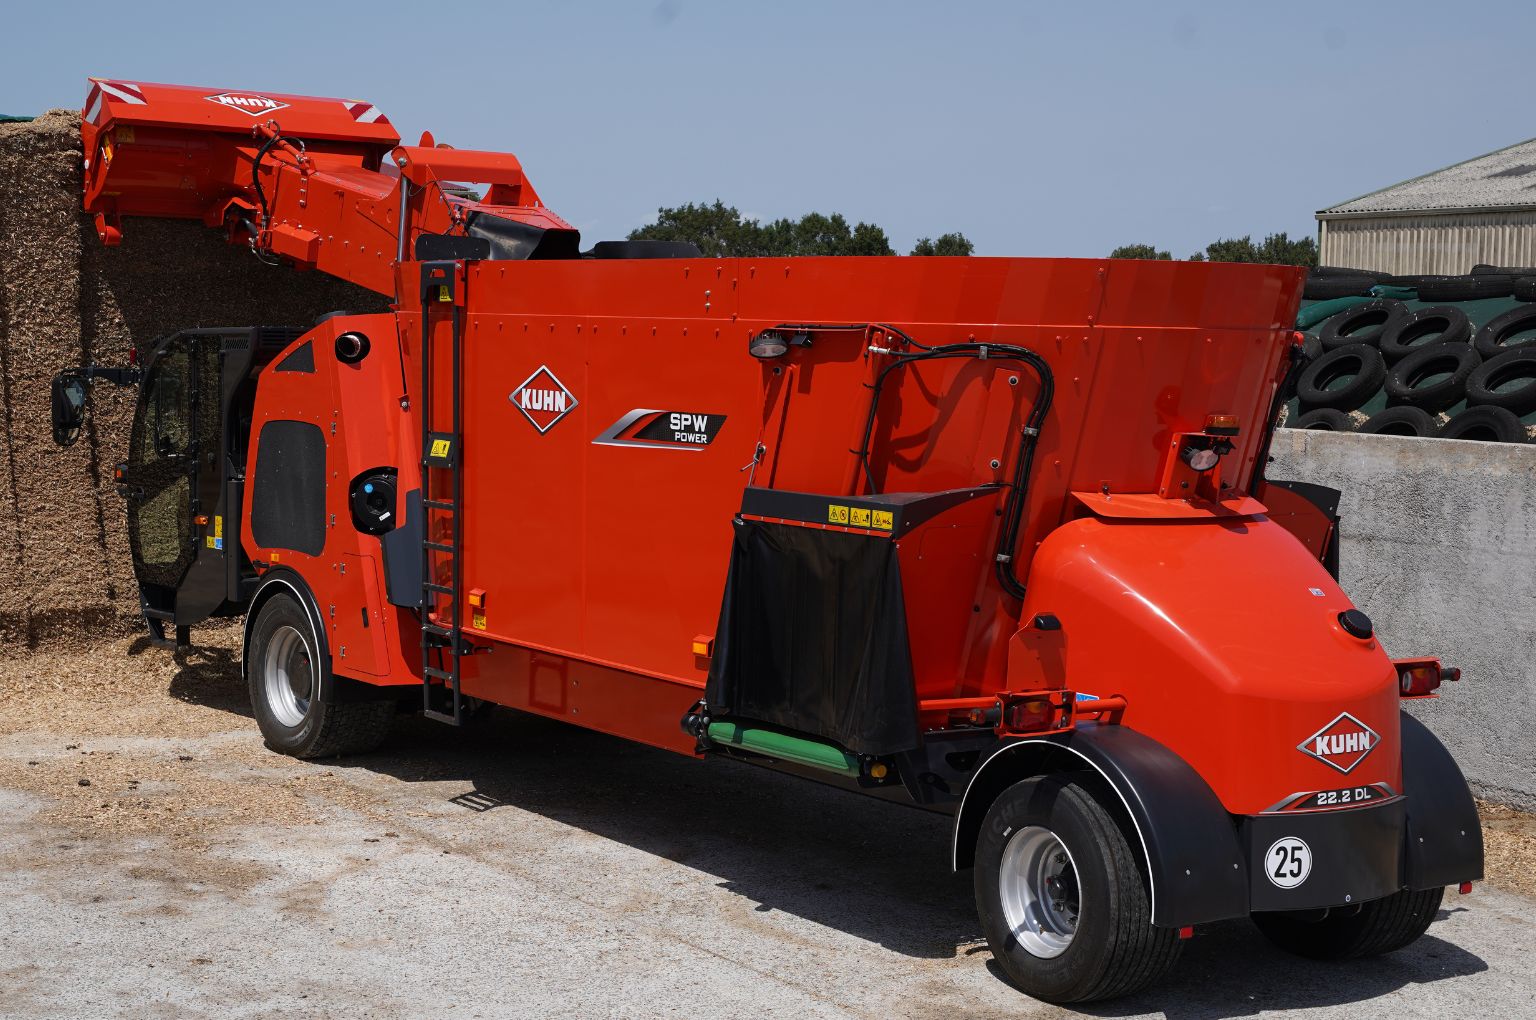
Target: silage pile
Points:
(65, 301)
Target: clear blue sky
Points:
(1036, 129)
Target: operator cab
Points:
(184, 478)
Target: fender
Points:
(277, 580)
(1196, 868)
(1445, 837)
(333, 689)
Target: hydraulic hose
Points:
(1018, 482)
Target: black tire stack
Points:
(1441, 375)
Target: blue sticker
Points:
(218, 543)
(1086, 697)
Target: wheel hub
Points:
(1037, 882)
(288, 676)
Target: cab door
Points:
(171, 480)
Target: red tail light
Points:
(1420, 678)
(1035, 712)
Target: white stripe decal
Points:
(373, 114)
(90, 115)
(123, 94)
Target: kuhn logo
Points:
(245, 102)
(543, 399)
(1343, 743)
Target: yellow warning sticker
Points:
(883, 520)
(837, 514)
(478, 619)
(439, 447)
(218, 527)
(210, 541)
(859, 517)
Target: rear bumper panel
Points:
(1355, 856)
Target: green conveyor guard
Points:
(774, 744)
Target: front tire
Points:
(1379, 926)
(285, 672)
(1062, 899)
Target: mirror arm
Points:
(116, 376)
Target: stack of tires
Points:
(1451, 357)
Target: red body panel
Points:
(1224, 639)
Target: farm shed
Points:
(1480, 211)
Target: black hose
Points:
(261, 153)
(1018, 483)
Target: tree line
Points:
(1275, 249)
(721, 231)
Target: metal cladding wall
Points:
(1449, 243)
(1439, 543)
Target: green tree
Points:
(1232, 249)
(720, 231)
(947, 244)
(1140, 251)
(818, 234)
(1280, 250)
(717, 229)
(1275, 249)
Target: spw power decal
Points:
(667, 430)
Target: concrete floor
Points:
(525, 868)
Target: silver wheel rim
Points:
(1037, 882)
(288, 675)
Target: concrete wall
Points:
(1439, 549)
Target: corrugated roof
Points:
(1498, 180)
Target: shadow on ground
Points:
(874, 870)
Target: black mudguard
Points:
(1445, 837)
(1196, 866)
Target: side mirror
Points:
(67, 398)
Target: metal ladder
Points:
(442, 492)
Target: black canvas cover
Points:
(813, 638)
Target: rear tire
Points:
(1380, 926)
(1062, 899)
(285, 672)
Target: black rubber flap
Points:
(813, 638)
(512, 240)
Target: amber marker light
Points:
(1221, 425)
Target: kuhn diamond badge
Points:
(543, 399)
(1343, 743)
(248, 103)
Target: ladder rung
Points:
(438, 547)
(438, 504)
(446, 589)
(441, 674)
(436, 631)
